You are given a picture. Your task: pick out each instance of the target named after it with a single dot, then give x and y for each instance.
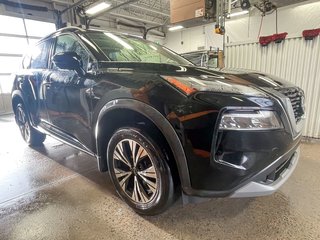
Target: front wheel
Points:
(139, 170)
(28, 133)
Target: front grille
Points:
(296, 97)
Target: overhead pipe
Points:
(72, 6)
(152, 29)
(58, 13)
(89, 19)
(146, 30)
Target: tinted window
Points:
(66, 43)
(39, 56)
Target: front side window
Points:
(39, 56)
(67, 43)
(125, 48)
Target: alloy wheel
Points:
(135, 171)
(23, 123)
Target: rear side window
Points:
(26, 61)
(39, 56)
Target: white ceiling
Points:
(147, 13)
(157, 12)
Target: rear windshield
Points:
(124, 48)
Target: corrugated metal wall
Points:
(295, 60)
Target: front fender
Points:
(161, 123)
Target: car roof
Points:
(78, 29)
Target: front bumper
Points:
(259, 187)
(268, 179)
(239, 163)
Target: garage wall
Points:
(292, 19)
(295, 60)
(16, 35)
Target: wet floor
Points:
(56, 192)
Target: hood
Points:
(190, 79)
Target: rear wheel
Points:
(28, 133)
(139, 170)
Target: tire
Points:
(30, 135)
(144, 182)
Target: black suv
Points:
(155, 121)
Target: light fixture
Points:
(97, 8)
(174, 28)
(235, 14)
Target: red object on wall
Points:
(279, 37)
(265, 40)
(310, 34)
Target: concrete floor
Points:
(55, 192)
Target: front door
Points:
(67, 101)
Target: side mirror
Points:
(68, 60)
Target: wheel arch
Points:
(16, 98)
(104, 129)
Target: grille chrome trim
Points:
(285, 103)
(296, 97)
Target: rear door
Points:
(30, 79)
(66, 97)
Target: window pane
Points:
(39, 29)
(66, 43)
(10, 64)
(39, 58)
(6, 84)
(13, 45)
(11, 25)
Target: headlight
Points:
(257, 120)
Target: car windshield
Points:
(125, 48)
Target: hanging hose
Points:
(276, 20)
(260, 26)
(24, 22)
